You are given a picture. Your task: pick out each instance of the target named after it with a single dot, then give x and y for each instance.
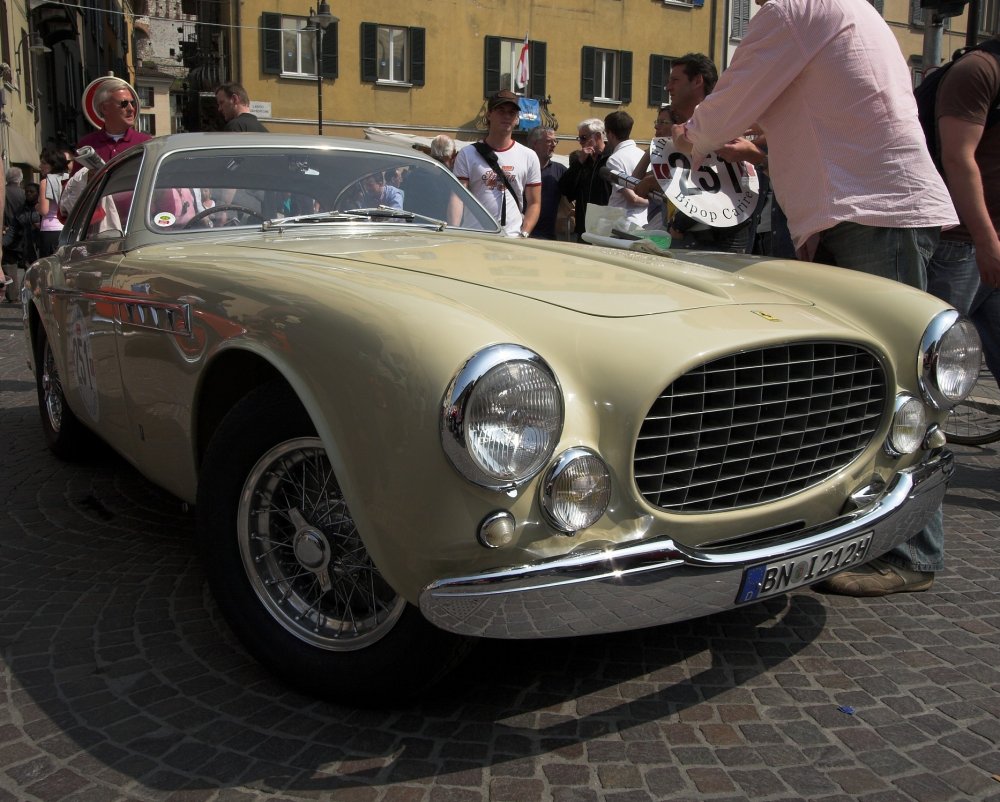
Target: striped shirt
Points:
(827, 83)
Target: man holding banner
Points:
(716, 203)
(828, 85)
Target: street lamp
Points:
(321, 19)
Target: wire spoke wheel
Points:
(52, 392)
(303, 555)
(976, 421)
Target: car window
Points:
(105, 207)
(205, 189)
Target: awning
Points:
(19, 149)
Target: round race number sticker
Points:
(719, 194)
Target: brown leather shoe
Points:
(877, 578)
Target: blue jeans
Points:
(901, 254)
(953, 276)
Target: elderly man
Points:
(582, 182)
(542, 140)
(118, 107)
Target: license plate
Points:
(773, 578)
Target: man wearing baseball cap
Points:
(502, 174)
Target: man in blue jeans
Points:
(965, 270)
(827, 84)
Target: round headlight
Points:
(577, 490)
(909, 425)
(502, 416)
(950, 356)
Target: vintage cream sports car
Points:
(399, 432)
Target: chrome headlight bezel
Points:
(928, 360)
(455, 406)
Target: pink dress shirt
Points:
(828, 85)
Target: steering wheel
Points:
(226, 207)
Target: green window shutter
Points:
(536, 58)
(625, 73)
(270, 44)
(369, 52)
(659, 71)
(491, 71)
(417, 56)
(331, 39)
(587, 74)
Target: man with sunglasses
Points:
(582, 182)
(118, 107)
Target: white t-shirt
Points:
(624, 159)
(520, 165)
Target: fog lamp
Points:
(576, 491)
(909, 426)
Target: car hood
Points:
(605, 282)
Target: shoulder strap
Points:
(490, 157)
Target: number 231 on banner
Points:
(719, 193)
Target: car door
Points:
(84, 304)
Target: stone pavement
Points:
(119, 681)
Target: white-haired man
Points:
(118, 106)
(582, 182)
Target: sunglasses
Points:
(584, 137)
(124, 104)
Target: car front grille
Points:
(758, 426)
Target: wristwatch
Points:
(524, 234)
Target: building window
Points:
(145, 94)
(392, 54)
(989, 17)
(288, 47)
(659, 74)
(502, 61)
(147, 124)
(606, 75)
(739, 19)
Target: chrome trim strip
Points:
(659, 581)
(166, 316)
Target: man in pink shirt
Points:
(827, 84)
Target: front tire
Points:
(290, 572)
(65, 435)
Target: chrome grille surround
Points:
(759, 425)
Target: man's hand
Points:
(988, 261)
(678, 134)
(648, 184)
(741, 150)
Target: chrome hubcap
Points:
(303, 555)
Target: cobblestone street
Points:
(120, 681)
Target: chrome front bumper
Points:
(659, 581)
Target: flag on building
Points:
(522, 73)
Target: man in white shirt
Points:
(625, 155)
(516, 202)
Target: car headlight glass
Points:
(576, 490)
(950, 356)
(502, 416)
(909, 425)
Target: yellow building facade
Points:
(426, 68)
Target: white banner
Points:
(719, 194)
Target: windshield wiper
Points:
(312, 217)
(391, 213)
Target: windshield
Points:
(204, 189)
